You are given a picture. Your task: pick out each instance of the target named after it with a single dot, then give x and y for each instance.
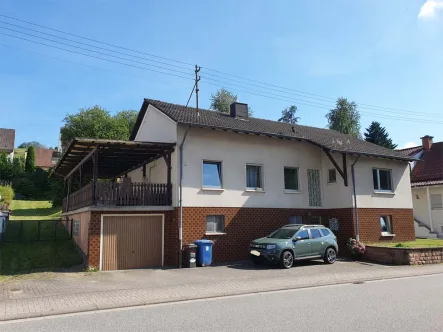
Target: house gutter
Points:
(180, 227)
(357, 235)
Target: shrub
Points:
(7, 194)
(356, 247)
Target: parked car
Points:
(295, 242)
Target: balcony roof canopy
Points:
(114, 157)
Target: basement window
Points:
(76, 227)
(215, 224)
(386, 225)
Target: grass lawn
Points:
(20, 258)
(34, 210)
(418, 243)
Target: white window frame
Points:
(378, 180)
(76, 227)
(262, 175)
(389, 220)
(438, 206)
(221, 180)
(215, 231)
(329, 177)
(289, 191)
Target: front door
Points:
(302, 247)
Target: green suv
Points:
(295, 242)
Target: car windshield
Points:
(283, 233)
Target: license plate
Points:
(255, 253)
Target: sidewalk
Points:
(75, 292)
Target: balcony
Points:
(100, 168)
(112, 194)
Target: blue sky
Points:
(383, 53)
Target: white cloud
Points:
(430, 9)
(409, 145)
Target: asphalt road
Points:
(410, 304)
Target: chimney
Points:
(426, 142)
(239, 110)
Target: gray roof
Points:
(7, 140)
(327, 139)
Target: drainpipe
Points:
(357, 235)
(180, 227)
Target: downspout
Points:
(357, 235)
(180, 227)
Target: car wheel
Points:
(286, 259)
(330, 256)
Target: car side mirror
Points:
(298, 238)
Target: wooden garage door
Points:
(132, 242)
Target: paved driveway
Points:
(73, 292)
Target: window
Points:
(382, 179)
(332, 176)
(315, 220)
(304, 235)
(254, 177)
(325, 232)
(291, 178)
(436, 201)
(333, 224)
(315, 233)
(76, 227)
(215, 224)
(386, 225)
(212, 174)
(296, 220)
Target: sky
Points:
(387, 54)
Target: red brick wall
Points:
(402, 224)
(171, 235)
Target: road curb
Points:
(141, 303)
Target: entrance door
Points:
(132, 242)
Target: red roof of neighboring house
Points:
(428, 171)
(43, 157)
(7, 139)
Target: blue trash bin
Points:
(204, 252)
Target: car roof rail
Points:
(293, 225)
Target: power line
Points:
(294, 91)
(96, 41)
(89, 50)
(90, 66)
(90, 45)
(96, 57)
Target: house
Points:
(7, 139)
(188, 174)
(427, 187)
(46, 158)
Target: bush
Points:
(356, 248)
(7, 194)
(26, 188)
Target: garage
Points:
(131, 242)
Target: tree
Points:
(222, 100)
(288, 115)
(345, 118)
(377, 134)
(30, 160)
(32, 143)
(97, 122)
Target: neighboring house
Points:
(46, 158)
(7, 140)
(427, 187)
(228, 178)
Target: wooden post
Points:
(168, 181)
(94, 177)
(69, 193)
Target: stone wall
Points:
(404, 256)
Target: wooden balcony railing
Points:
(120, 194)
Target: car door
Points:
(302, 247)
(316, 242)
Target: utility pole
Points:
(197, 78)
